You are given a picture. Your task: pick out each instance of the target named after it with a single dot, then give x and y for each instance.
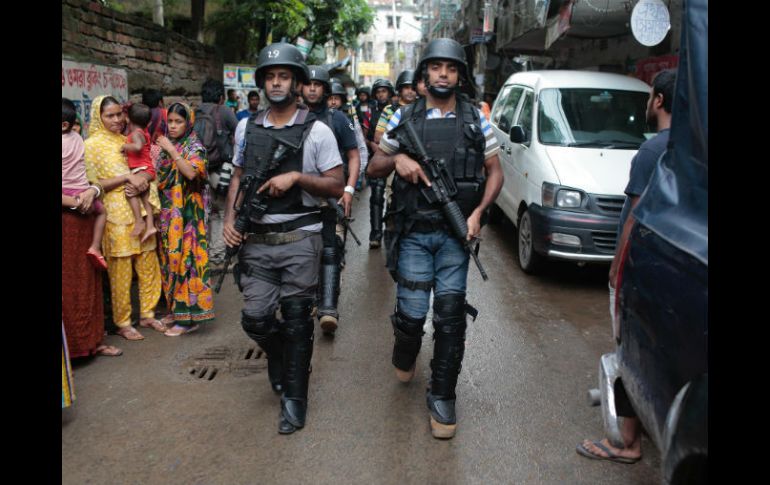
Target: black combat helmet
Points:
(364, 89)
(383, 83)
(443, 49)
(339, 89)
(406, 78)
(281, 54)
(318, 73)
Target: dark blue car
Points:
(661, 359)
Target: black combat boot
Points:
(329, 287)
(264, 331)
(449, 324)
(297, 332)
(408, 332)
(376, 204)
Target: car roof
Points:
(577, 79)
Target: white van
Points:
(567, 138)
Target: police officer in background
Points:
(406, 95)
(315, 93)
(278, 264)
(423, 253)
(383, 90)
(338, 100)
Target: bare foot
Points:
(151, 231)
(138, 228)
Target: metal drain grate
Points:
(217, 361)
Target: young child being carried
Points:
(138, 155)
(74, 181)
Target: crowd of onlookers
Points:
(135, 200)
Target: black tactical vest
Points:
(376, 113)
(261, 143)
(460, 142)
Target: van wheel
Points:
(529, 260)
(496, 214)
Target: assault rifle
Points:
(345, 221)
(253, 205)
(442, 191)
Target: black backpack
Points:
(212, 133)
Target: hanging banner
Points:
(646, 69)
(559, 24)
(650, 22)
(82, 82)
(489, 18)
(304, 46)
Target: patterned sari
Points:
(183, 227)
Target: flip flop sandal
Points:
(130, 333)
(97, 260)
(167, 320)
(154, 324)
(178, 330)
(582, 450)
(108, 350)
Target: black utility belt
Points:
(306, 220)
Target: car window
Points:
(525, 116)
(498, 104)
(592, 117)
(509, 109)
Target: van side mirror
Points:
(518, 135)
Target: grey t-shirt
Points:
(320, 154)
(642, 167)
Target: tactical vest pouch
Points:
(469, 195)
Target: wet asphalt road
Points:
(148, 418)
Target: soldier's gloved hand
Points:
(346, 202)
(280, 184)
(410, 170)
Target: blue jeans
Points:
(432, 256)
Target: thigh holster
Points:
(408, 332)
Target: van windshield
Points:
(602, 118)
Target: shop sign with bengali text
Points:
(381, 69)
(81, 82)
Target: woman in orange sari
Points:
(184, 197)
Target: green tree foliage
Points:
(242, 26)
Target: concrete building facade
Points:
(394, 38)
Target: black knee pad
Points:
(258, 327)
(406, 327)
(296, 308)
(449, 305)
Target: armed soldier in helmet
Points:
(383, 90)
(423, 253)
(406, 95)
(279, 261)
(315, 93)
(338, 100)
